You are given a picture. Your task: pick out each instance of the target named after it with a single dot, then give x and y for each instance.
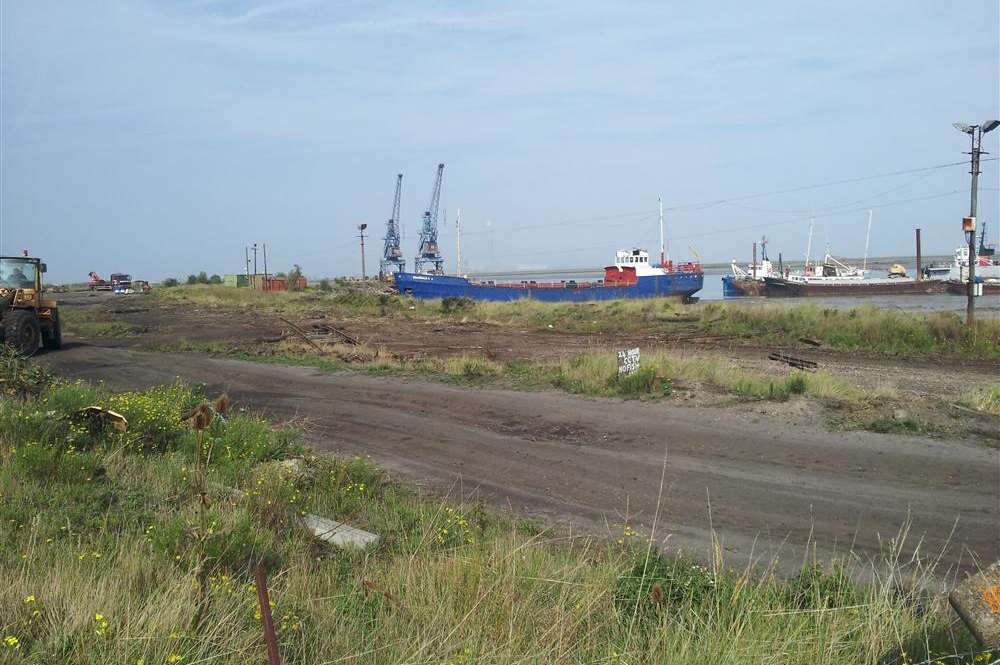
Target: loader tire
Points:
(22, 332)
(52, 338)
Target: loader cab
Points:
(17, 272)
(27, 319)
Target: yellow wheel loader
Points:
(27, 320)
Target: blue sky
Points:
(159, 138)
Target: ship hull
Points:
(671, 285)
(778, 287)
(736, 288)
(962, 288)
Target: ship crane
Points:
(429, 253)
(392, 255)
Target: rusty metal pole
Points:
(753, 266)
(919, 276)
(273, 657)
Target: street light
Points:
(361, 229)
(975, 133)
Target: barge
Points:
(792, 287)
(631, 276)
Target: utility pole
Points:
(975, 133)
(361, 228)
(246, 256)
(264, 245)
(255, 258)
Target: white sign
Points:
(628, 361)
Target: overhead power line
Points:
(797, 220)
(715, 202)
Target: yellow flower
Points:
(174, 658)
(29, 599)
(98, 617)
(11, 642)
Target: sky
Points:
(160, 138)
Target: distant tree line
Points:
(200, 278)
(203, 278)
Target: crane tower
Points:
(429, 253)
(392, 255)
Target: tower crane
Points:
(392, 255)
(429, 253)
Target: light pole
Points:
(975, 133)
(361, 228)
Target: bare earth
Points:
(764, 486)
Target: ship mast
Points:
(458, 243)
(663, 254)
(868, 234)
(810, 243)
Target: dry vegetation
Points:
(104, 544)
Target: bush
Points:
(797, 384)
(169, 282)
(661, 582)
(324, 285)
(215, 279)
(453, 304)
(20, 378)
(294, 275)
(192, 279)
(816, 586)
(645, 381)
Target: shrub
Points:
(294, 275)
(20, 378)
(473, 368)
(816, 586)
(324, 285)
(192, 279)
(645, 381)
(169, 282)
(453, 304)
(797, 384)
(660, 582)
(215, 279)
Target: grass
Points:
(104, 547)
(91, 322)
(986, 400)
(861, 329)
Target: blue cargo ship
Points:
(632, 276)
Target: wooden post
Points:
(273, 657)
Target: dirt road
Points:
(765, 487)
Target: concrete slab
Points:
(977, 601)
(339, 534)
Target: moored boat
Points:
(748, 281)
(990, 287)
(790, 287)
(631, 276)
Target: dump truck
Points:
(28, 320)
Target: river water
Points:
(987, 306)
